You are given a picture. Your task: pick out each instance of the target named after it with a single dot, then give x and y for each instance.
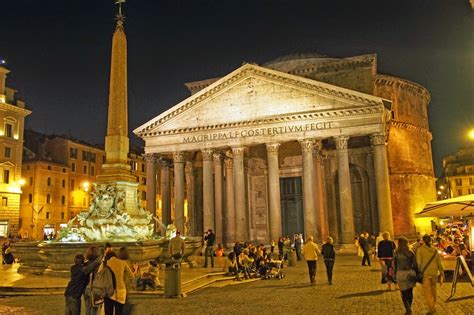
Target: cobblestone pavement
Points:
(356, 290)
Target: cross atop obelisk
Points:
(116, 167)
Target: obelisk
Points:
(116, 169)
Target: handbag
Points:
(419, 274)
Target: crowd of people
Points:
(104, 280)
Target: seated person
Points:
(219, 251)
(148, 277)
(246, 263)
(8, 258)
(231, 266)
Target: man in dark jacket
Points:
(210, 238)
(329, 255)
(364, 244)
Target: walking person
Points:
(364, 244)
(298, 243)
(310, 253)
(429, 262)
(91, 266)
(385, 251)
(329, 255)
(405, 272)
(210, 238)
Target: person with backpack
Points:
(92, 263)
(429, 262)
(121, 271)
(405, 272)
(77, 284)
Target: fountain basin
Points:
(193, 245)
(59, 257)
(30, 261)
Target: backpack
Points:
(103, 285)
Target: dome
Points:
(291, 62)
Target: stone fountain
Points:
(114, 214)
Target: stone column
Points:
(178, 159)
(382, 182)
(308, 195)
(345, 193)
(241, 224)
(322, 217)
(208, 190)
(190, 220)
(151, 159)
(165, 195)
(218, 194)
(229, 215)
(274, 213)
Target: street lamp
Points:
(471, 134)
(85, 186)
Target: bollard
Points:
(173, 278)
(292, 258)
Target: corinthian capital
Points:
(238, 152)
(229, 163)
(207, 154)
(272, 148)
(178, 157)
(306, 145)
(217, 158)
(377, 139)
(341, 142)
(150, 158)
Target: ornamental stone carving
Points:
(164, 163)
(178, 157)
(229, 163)
(188, 168)
(217, 158)
(272, 148)
(238, 152)
(207, 154)
(377, 139)
(151, 158)
(306, 145)
(341, 142)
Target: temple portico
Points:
(259, 167)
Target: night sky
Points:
(59, 53)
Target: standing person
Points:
(176, 246)
(298, 242)
(310, 253)
(272, 246)
(378, 239)
(385, 253)
(210, 239)
(122, 272)
(365, 246)
(92, 265)
(286, 248)
(405, 272)
(329, 255)
(280, 248)
(429, 262)
(75, 287)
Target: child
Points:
(75, 287)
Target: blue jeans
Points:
(73, 306)
(209, 252)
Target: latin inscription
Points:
(273, 131)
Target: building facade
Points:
(458, 177)
(303, 144)
(58, 174)
(12, 121)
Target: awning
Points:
(459, 206)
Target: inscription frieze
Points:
(255, 132)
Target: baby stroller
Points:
(274, 270)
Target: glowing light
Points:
(471, 134)
(441, 187)
(21, 182)
(439, 192)
(85, 185)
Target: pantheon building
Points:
(302, 144)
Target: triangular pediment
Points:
(254, 93)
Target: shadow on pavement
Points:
(360, 294)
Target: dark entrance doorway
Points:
(291, 205)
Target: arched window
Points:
(48, 198)
(63, 200)
(49, 181)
